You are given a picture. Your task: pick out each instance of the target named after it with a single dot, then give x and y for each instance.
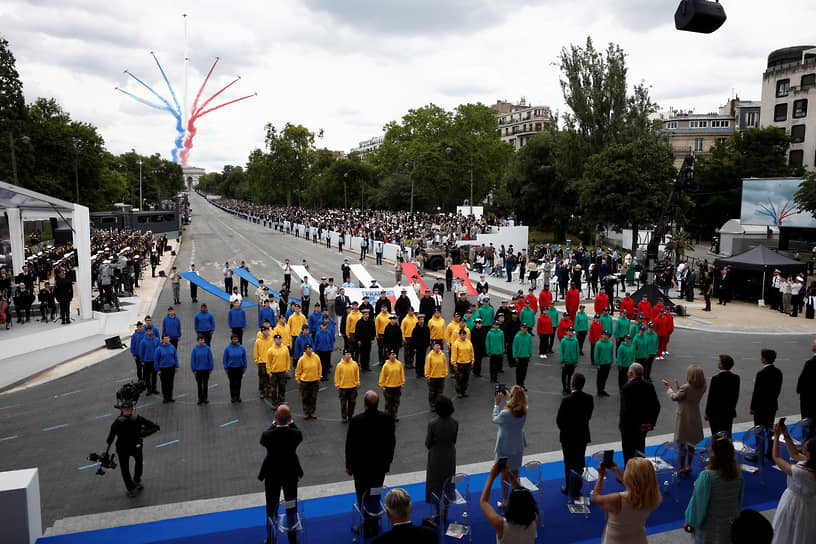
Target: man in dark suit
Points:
(573, 422)
(721, 406)
(806, 389)
(638, 412)
(398, 509)
(281, 467)
(370, 445)
(764, 401)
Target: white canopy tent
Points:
(22, 205)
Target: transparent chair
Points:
(752, 448)
(369, 514)
(798, 432)
(530, 475)
(288, 521)
(454, 505)
(580, 505)
(666, 464)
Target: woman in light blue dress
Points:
(510, 439)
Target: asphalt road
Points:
(213, 451)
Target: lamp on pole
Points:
(12, 139)
(141, 199)
(345, 190)
(76, 142)
(411, 177)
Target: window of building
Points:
(780, 112)
(797, 133)
(782, 88)
(808, 80)
(698, 145)
(752, 119)
(722, 140)
(671, 124)
(800, 108)
(796, 157)
(720, 123)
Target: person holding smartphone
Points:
(520, 520)
(510, 439)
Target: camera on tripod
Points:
(105, 460)
(128, 394)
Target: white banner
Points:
(356, 294)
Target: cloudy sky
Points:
(350, 66)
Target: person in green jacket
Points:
(641, 346)
(494, 348)
(554, 317)
(527, 315)
(569, 352)
(522, 351)
(604, 357)
(486, 312)
(621, 327)
(651, 350)
(626, 356)
(581, 326)
(469, 320)
(606, 320)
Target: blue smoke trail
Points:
(143, 101)
(149, 88)
(167, 81)
(179, 141)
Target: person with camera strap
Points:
(128, 429)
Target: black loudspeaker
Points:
(680, 310)
(114, 342)
(702, 16)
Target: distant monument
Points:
(191, 175)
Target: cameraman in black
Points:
(128, 430)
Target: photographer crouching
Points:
(129, 429)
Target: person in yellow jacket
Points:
(436, 369)
(283, 330)
(392, 378)
(436, 326)
(452, 331)
(462, 361)
(407, 328)
(351, 324)
(295, 324)
(380, 322)
(263, 342)
(308, 373)
(277, 364)
(347, 380)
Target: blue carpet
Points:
(329, 518)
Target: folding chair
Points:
(289, 521)
(368, 515)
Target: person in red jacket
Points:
(670, 330)
(595, 330)
(628, 304)
(544, 329)
(572, 300)
(601, 302)
(662, 324)
(563, 324)
(644, 307)
(532, 298)
(545, 298)
(657, 308)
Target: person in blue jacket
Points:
(315, 319)
(235, 364)
(165, 362)
(135, 340)
(324, 346)
(300, 343)
(201, 363)
(171, 326)
(149, 325)
(236, 320)
(147, 353)
(266, 312)
(204, 324)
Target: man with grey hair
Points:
(639, 409)
(398, 509)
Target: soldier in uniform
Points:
(308, 373)
(392, 379)
(277, 364)
(346, 381)
(462, 359)
(47, 305)
(23, 298)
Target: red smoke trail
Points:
(205, 112)
(196, 113)
(191, 130)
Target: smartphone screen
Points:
(608, 458)
(502, 462)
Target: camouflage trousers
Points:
(462, 377)
(308, 394)
(436, 386)
(348, 398)
(277, 382)
(264, 388)
(409, 354)
(392, 400)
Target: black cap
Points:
(277, 336)
(307, 346)
(625, 336)
(524, 324)
(570, 329)
(605, 332)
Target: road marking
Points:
(322, 388)
(182, 395)
(749, 358)
(211, 386)
(89, 466)
(543, 364)
(145, 405)
(228, 423)
(9, 406)
(55, 427)
(71, 393)
(686, 356)
(8, 438)
(103, 415)
(123, 380)
(166, 443)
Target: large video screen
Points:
(770, 202)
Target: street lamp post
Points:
(345, 191)
(411, 177)
(141, 200)
(76, 142)
(12, 139)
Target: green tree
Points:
(288, 158)
(12, 111)
(627, 185)
(758, 152)
(806, 195)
